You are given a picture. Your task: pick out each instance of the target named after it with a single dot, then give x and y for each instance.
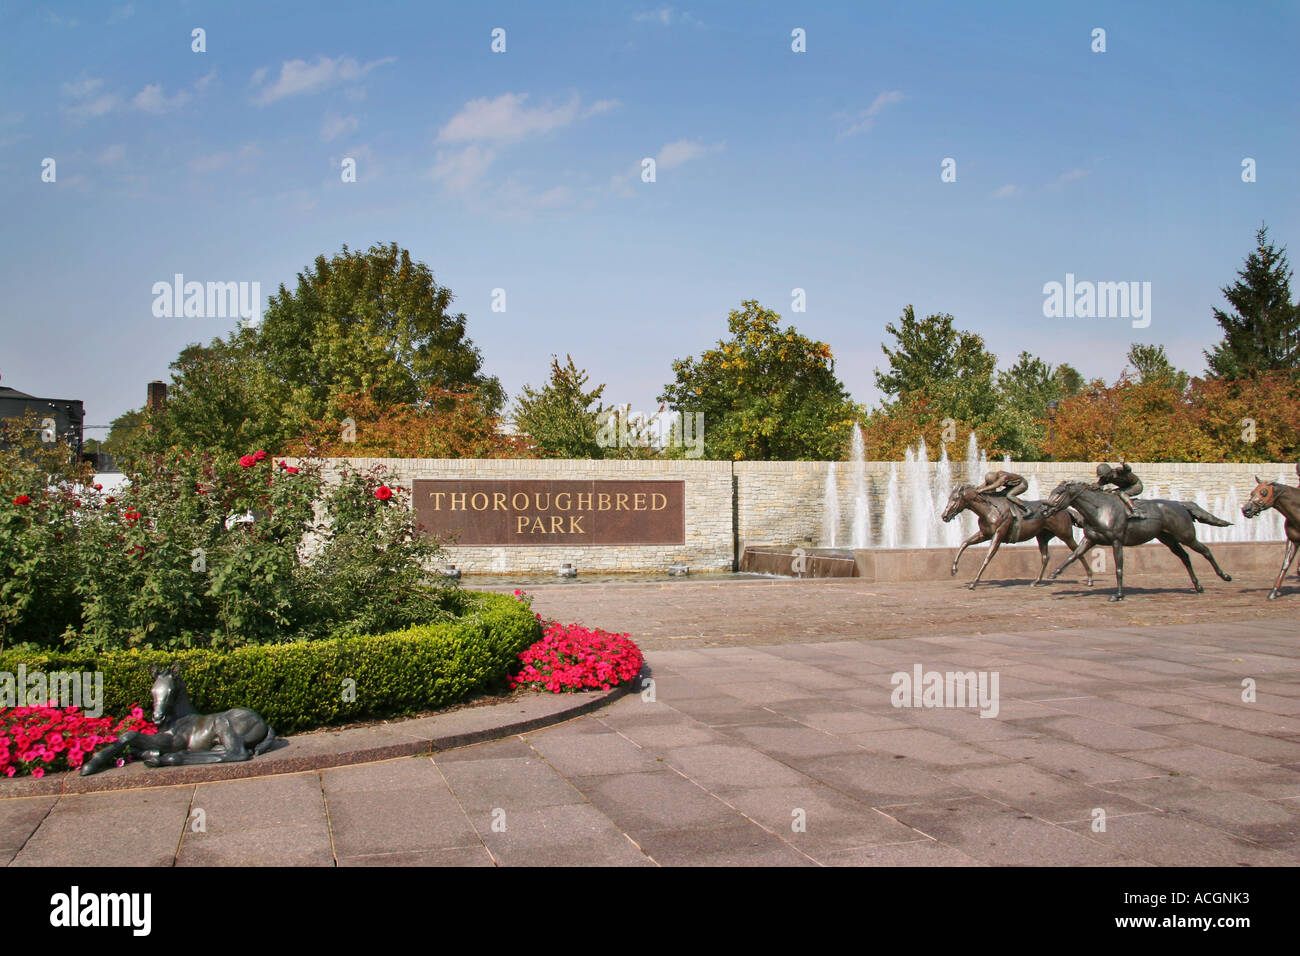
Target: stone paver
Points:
(785, 749)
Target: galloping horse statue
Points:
(186, 736)
(1284, 498)
(996, 522)
(1106, 521)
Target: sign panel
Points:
(529, 512)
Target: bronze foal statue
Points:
(184, 735)
(998, 522)
(1286, 500)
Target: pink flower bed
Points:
(40, 740)
(571, 657)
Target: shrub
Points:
(301, 686)
(206, 551)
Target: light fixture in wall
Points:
(567, 571)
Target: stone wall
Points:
(782, 503)
(708, 545)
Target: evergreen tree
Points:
(558, 419)
(1262, 333)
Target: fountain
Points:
(830, 509)
(916, 493)
(861, 504)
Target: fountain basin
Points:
(1256, 561)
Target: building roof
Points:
(7, 392)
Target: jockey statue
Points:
(1126, 484)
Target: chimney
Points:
(157, 395)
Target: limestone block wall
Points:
(783, 503)
(708, 542)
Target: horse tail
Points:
(1204, 517)
(265, 745)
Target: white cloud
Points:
(865, 119)
(683, 151)
(121, 13)
(506, 119)
(335, 126)
(1007, 191)
(1070, 175)
(461, 169)
(298, 77)
(665, 16)
(220, 160)
(206, 80)
(151, 99)
(113, 154)
(88, 99)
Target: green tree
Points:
(950, 367)
(1070, 379)
(1152, 365)
(1262, 332)
(766, 393)
(373, 322)
(1023, 393)
(558, 418)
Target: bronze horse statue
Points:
(184, 735)
(1106, 521)
(1284, 498)
(997, 522)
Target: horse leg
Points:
(1068, 538)
(231, 750)
(1118, 548)
(1291, 549)
(1043, 538)
(1205, 552)
(976, 538)
(993, 549)
(1170, 542)
(1083, 546)
(131, 742)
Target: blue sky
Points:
(521, 170)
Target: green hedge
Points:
(300, 686)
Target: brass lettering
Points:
(537, 499)
(603, 501)
(622, 503)
(565, 506)
(575, 524)
(638, 501)
(454, 496)
(473, 501)
(498, 501)
(514, 501)
(520, 521)
(659, 497)
(437, 499)
(537, 526)
(557, 524)
(588, 496)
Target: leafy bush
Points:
(302, 685)
(206, 551)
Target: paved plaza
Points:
(771, 739)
